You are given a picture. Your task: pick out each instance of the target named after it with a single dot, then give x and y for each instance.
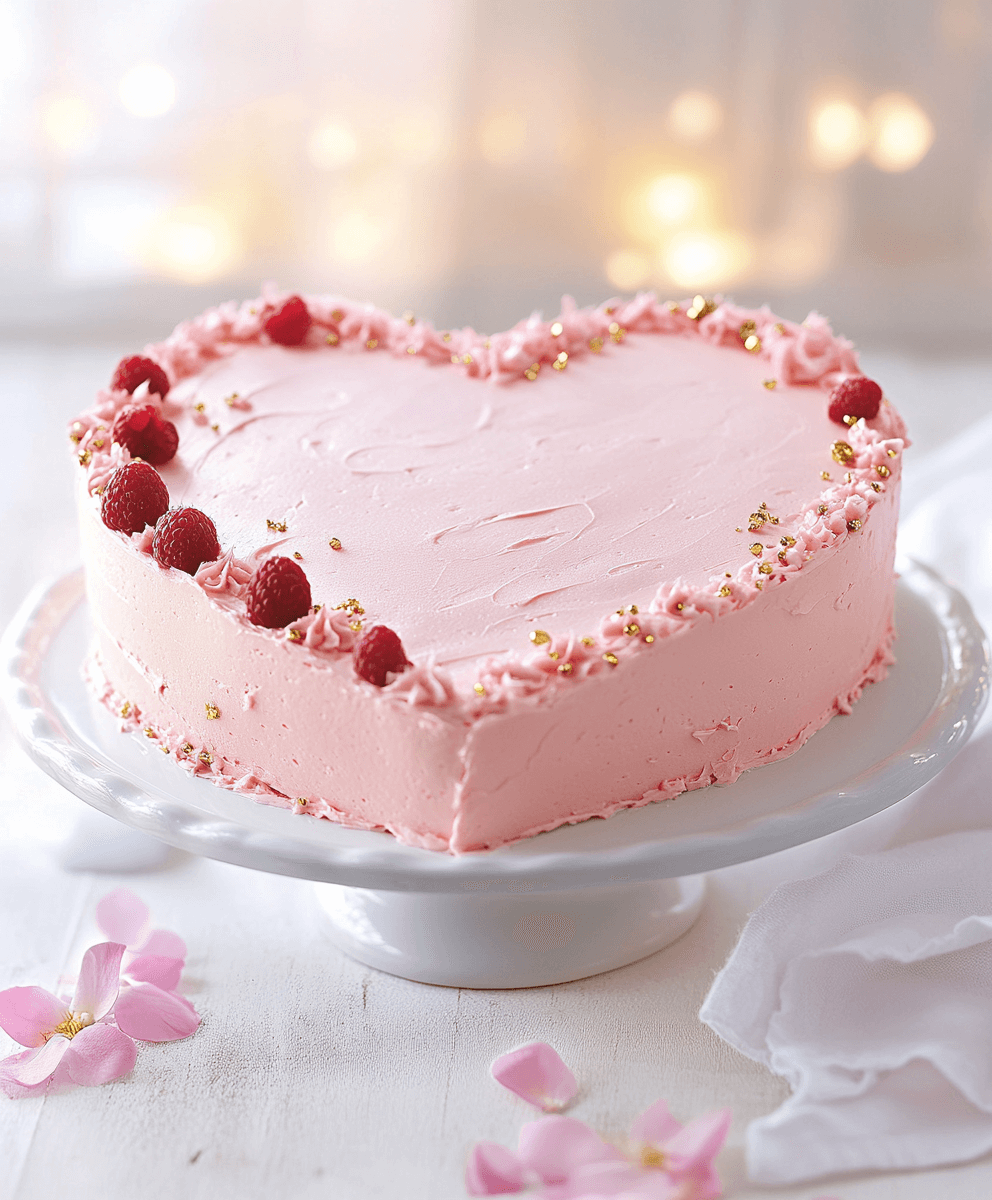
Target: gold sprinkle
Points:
(700, 307)
(206, 756)
(727, 575)
(335, 543)
(126, 708)
(779, 327)
(771, 384)
(621, 611)
(587, 641)
(411, 349)
(553, 654)
(352, 606)
(755, 521)
(455, 359)
(337, 316)
(371, 343)
(672, 306)
(758, 584)
(532, 371)
(875, 487)
(611, 659)
(229, 400)
(680, 606)
(253, 310)
(295, 635)
(752, 343)
(332, 339)
(215, 428)
(854, 525)
(631, 629)
(187, 748)
(467, 359)
(316, 607)
(787, 540)
(297, 554)
(756, 549)
(565, 668)
(275, 526)
(84, 458)
(99, 491)
(824, 474)
(409, 318)
(747, 328)
(165, 749)
(595, 344)
(213, 712)
(561, 362)
(842, 452)
(354, 626)
(883, 470)
(200, 407)
(781, 556)
(75, 438)
(149, 732)
(849, 420)
(891, 453)
(479, 689)
(822, 509)
(557, 329)
(539, 637)
(100, 443)
(619, 335)
(301, 801)
(649, 638)
(848, 477)
(634, 610)
(766, 568)
(724, 591)
(445, 337)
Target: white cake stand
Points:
(560, 906)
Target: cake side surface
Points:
(583, 565)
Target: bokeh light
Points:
(502, 137)
(901, 132)
(68, 123)
(674, 199)
(627, 269)
(706, 259)
(356, 237)
(695, 116)
(193, 244)
(838, 133)
(332, 145)
(147, 90)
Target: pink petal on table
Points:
(556, 1146)
(28, 1013)
(151, 1014)
(493, 1171)
(691, 1151)
(122, 916)
(163, 942)
(98, 1054)
(655, 1126)
(37, 1065)
(536, 1073)
(156, 968)
(10, 1085)
(99, 980)
(619, 1179)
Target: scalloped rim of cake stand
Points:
(900, 734)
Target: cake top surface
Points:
(660, 456)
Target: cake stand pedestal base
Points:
(509, 939)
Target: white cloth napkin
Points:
(869, 987)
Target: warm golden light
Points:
(68, 123)
(901, 132)
(627, 269)
(419, 138)
(193, 244)
(706, 259)
(502, 137)
(147, 90)
(695, 116)
(674, 199)
(356, 238)
(332, 145)
(837, 134)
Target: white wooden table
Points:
(312, 1076)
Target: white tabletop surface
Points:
(311, 1075)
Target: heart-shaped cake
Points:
(467, 589)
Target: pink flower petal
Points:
(99, 980)
(493, 1171)
(28, 1013)
(556, 1146)
(536, 1073)
(150, 1014)
(98, 1054)
(164, 942)
(618, 1179)
(691, 1151)
(36, 1066)
(156, 968)
(655, 1126)
(122, 916)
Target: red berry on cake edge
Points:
(134, 371)
(185, 538)
(279, 592)
(135, 496)
(141, 429)
(379, 652)
(856, 397)
(290, 324)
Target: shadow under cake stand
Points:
(556, 907)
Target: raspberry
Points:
(855, 397)
(134, 497)
(378, 652)
(290, 324)
(141, 429)
(135, 370)
(279, 592)
(185, 538)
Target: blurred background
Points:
(474, 159)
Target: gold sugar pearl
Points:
(409, 318)
(335, 543)
(757, 549)
(295, 635)
(557, 329)
(875, 487)
(680, 606)
(596, 344)
(206, 756)
(561, 362)
(891, 453)
(532, 371)
(297, 554)
(301, 801)
(479, 689)
(354, 626)
(565, 668)
(752, 343)
(588, 641)
(467, 359)
(883, 470)
(822, 509)
(337, 316)
(229, 400)
(371, 343)
(200, 407)
(84, 458)
(843, 453)
(766, 568)
(724, 591)
(649, 638)
(275, 526)
(634, 610)
(126, 708)
(539, 637)
(771, 384)
(213, 712)
(824, 474)
(631, 629)
(787, 540)
(149, 732)
(187, 748)
(332, 339)
(611, 659)
(854, 524)
(553, 654)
